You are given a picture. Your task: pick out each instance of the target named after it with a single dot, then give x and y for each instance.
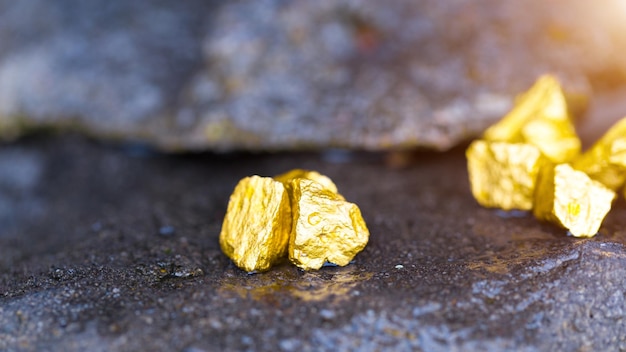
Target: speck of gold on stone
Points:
(326, 228)
(605, 161)
(503, 175)
(256, 228)
(571, 199)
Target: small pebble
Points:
(247, 340)
(167, 230)
(399, 266)
(288, 345)
(96, 226)
(327, 314)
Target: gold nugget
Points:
(256, 228)
(503, 175)
(326, 228)
(503, 167)
(325, 181)
(605, 161)
(260, 227)
(541, 118)
(571, 199)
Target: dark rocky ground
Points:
(116, 248)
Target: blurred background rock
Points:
(284, 75)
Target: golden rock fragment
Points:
(299, 214)
(288, 176)
(503, 175)
(571, 199)
(326, 228)
(256, 228)
(540, 117)
(605, 161)
(504, 166)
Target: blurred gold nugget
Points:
(326, 228)
(605, 161)
(503, 175)
(256, 228)
(577, 196)
(541, 118)
(580, 200)
(503, 167)
(571, 199)
(260, 228)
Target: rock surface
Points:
(300, 74)
(116, 248)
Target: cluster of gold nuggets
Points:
(531, 160)
(299, 215)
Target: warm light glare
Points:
(620, 11)
(622, 5)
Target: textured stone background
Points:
(115, 247)
(301, 74)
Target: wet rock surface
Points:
(277, 74)
(116, 248)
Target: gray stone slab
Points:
(116, 248)
(287, 75)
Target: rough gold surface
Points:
(503, 175)
(605, 161)
(308, 174)
(540, 117)
(572, 200)
(326, 228)
(256, 228)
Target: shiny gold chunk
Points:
(540, 117)
(571, 199)
(255, 232)
(503, 175)
(605, 161)
(326, 228)
(308, 174)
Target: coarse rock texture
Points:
(116, 248)
(272, 74)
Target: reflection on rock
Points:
(327, 285)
